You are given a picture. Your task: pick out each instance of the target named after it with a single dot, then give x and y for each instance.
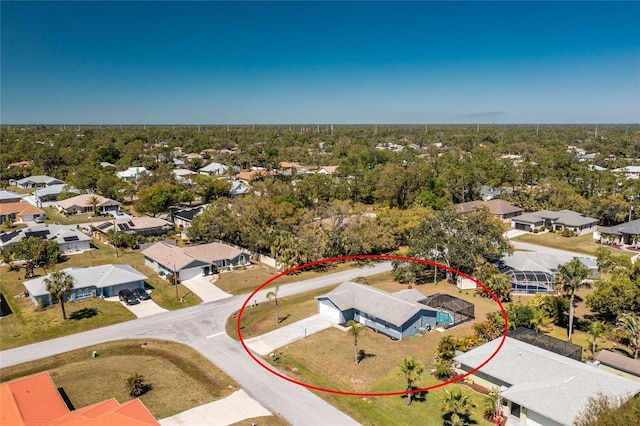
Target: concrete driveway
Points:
(232, 409)
(205, 290)
(143, 309)
(268, 342)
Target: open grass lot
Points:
(582, 244)
(262, 318)
(180, 376)
(27, 325)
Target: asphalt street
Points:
(203, 328)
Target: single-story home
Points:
(289, 169)
(534, 272)
(103, 280)
(552, 220)
(499, 208)
(35, 182)
(489, 193)
(624, 233)
(144, 225)
(183, 175)
(19, 212)
(82, 204)
(9, 197)
(253, 174)
(193, 261)
(631, 172)
(539, 387)
(398, 315)
(132, 173)
(36, 400)
(50, 193)
(238, 188)
(214, 169)
(183, 217)
(619, 364)
(69, 239)
(327, 170)
(20, 164)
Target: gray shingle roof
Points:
(550, 384)
(631, 228)
(620, 362)
(50, 232)
(394, 308)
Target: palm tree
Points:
(570, 277)
(93, 201)
(629, 323)
(273, 294)
(595, 330)
(411, 370)
(59, 284)
(457, 405)
(500, 285)
(135, 384)
(354, 330)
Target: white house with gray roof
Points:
(69, 239)
(538, 387)
(38, 181)
(554, 221)
(625, 233)
(103, 280)
(398, 315)
(10, 197)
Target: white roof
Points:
(552, 385)
(214, 167)
(58, 233)
(96, 276)
(132, 172)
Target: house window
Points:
(84, 293)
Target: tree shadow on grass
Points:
(416, 396)
(83, 313)
(464, 419)
(283, 319)
(362, 355)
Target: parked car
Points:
(127, 296)
(141, 294)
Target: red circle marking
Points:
(371, 256)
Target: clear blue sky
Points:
(319, 62)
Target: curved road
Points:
(203, 328)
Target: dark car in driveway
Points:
(141, 294)
(127, 296)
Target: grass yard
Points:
(54, 215)
(27, 325)
(180, 376)
(582, 244)
(269, 421)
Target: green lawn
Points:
(582, 244)
(180, 376)
(27, 325)
(55, 216)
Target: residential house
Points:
(625, 233)
(488, 193)
(554, 221)
(238, 188)
(9, 197)
(145, 226)
(398, 315)
(94, 281)
(183, 217)
(539, 387)
(631, 172)
(36, 401)
(69, 239)
(35, 182)
(20, 164)
(51, 193)
(183, 174)
(287, 168)
(214, 169)
(83, 204)
(619, 364)
(499, 208)
(247, 176)
(193, 261)
(534, 272)
(178, 162)
(132, 173)
(327, 170)
(19, 212)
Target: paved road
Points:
(536, 248)
(203, 328)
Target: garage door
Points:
(187, 274)
(329, 311)
(522, 226)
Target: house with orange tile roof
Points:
(20, 164)
(19, 212)
(36, 401)
(247, 176)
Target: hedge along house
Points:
(193, 261)
(398, 315)
(104, 280)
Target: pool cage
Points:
(529, 282)
(550, 343)
(456, 311)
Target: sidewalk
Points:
(232, 409)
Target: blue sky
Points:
(319, 62)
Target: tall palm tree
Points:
(629, 323)
(93, 201)
(412, 371)
(354, 330)
(595, 330)
(59, 284)
(570, 277)
(457, 404)
(273, 294)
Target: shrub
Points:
(443, 371)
